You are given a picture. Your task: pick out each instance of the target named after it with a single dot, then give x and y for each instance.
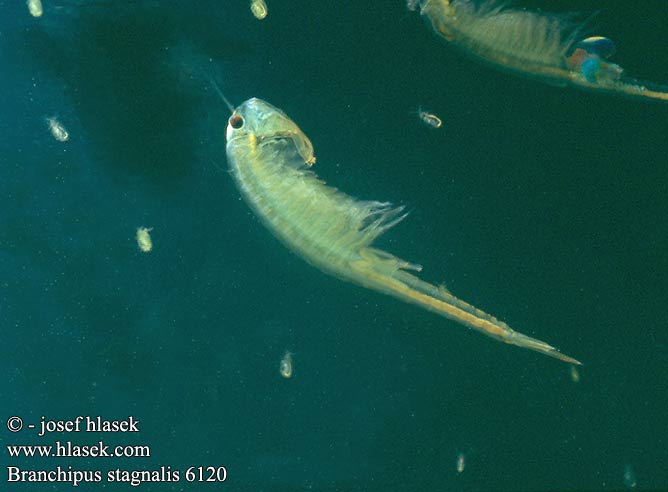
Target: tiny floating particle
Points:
(575, 375)
(285, 367)
(35, 8)
(57, 130)
(259, 9)
(412, 5)
(144, 239)
(630, 481)
(461, 463)
(430, 119)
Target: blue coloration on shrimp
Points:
(588, 58)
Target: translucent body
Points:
(269, 156)
(461, 462)
(57, 130)
(575, 375)
(35, 8)
(430, 119)
(144, 241)
(259, 9)
(285, 366)
(533, 44)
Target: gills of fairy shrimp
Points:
(270, 159)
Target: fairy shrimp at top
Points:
(543, 46)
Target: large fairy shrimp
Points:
(270, 159)
(539, 45)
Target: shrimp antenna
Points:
(220, 93)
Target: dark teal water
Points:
(543, 206)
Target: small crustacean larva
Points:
(259, 9)
(575, 375)
(285, 367)
(460, 465)
(144, 239)
(430, 119)
(35, 8)
(57, 129)
(412, 5)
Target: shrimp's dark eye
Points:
(236, 121)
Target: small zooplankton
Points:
(461, 461)
(285, 367)
(259, 9)
(35, 8)
(430, 119)
(270, 159)
(144, 239)
(57, 129)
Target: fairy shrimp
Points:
(271, 158)
(543, 46)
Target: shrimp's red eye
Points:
(236, 121)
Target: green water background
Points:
(543, 206)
